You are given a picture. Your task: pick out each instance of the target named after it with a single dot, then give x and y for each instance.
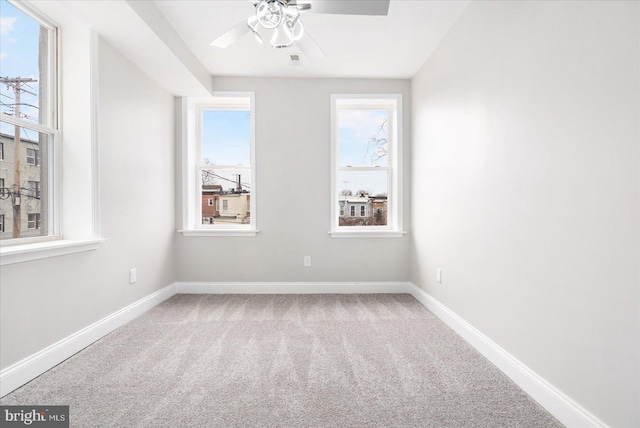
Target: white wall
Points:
(47, 300)
(293, 145)
(525, 175)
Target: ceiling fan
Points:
(279, 21)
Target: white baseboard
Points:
(563, 408)
(33, 366)
(291, 287)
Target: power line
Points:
(211, 174)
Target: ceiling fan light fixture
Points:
(280, 19)
(269, 13)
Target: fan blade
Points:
(349, 7)
(310, 48)
(230, 36)
(300, 6)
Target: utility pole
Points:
(16, 84)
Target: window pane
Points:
(230, 192)
(226, 137)
(25, 206)
(362, 137)
(362, 198)
(23, 84)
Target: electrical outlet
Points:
(307, 261)
(133, 274)
(439, 275)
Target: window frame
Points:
(392, 103)
(49, 127)
(192, 108)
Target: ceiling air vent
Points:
(294, 58)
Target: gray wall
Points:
(293, 148)
(525, 173)
(46, 300)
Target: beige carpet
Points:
(284, 361)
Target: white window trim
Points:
(50, 128)
(191, 200)
(28, 249)
(394, 228)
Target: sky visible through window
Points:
(362, 142)
(226, 140)
(226, 137)
(19, 37)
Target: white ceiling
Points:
(393, 46)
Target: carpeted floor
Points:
(284, 361)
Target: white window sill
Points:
(219, 232)
(367, 234)
(42, 250)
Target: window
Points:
(217, 204)
(1, 223)
(210, 202)
(31, 61)
(28, 124)
(4, 192)
(33, 157)
(366, 165)
(219, 143)
(34, 189)
(33, 221)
